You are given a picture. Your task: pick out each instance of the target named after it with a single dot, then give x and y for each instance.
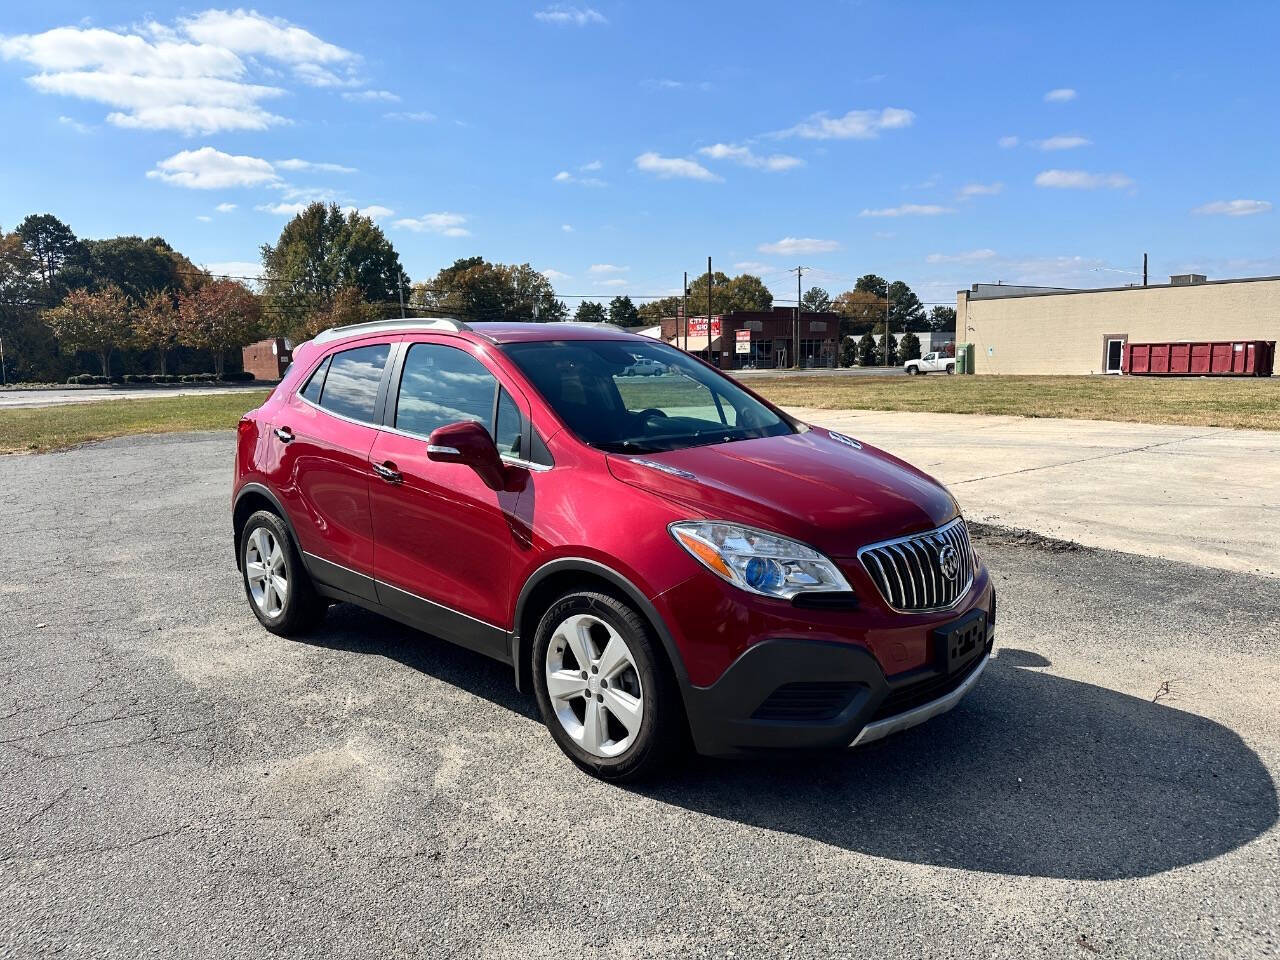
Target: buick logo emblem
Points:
(949, 561)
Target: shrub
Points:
(909, 347)
(237, 376)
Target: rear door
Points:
(445, 542)
(323, 434)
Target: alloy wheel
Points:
(265, 572)
(594, 685)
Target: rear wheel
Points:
(951, 368)
(608, 700)
(277, 586)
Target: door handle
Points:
(387, 471)
(284, 434)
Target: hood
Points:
(807, 486)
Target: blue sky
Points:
(615, 145)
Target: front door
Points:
(323, 434)
(1115, 354)
(444, 540)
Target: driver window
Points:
(442, 385)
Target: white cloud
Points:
(667, 168)
(980, 190)
(854, 125)
(971, 256)
(1082, 180)
(746, 157)
(1007, 142)
(203, 219)
(567, 228)
(369, 96)
(75, 125)
(563, 15)
(753, 266)
(564, 176)
(413, 116)
(373, 211)
(282, 209)
(1063, 142)
(554, 275)
(1060, 95)
(202, 75)
(790, 245)
(210, 169)
(296, 164)
(908, 210)
(225, 207)
(1235, 208)
(615, 282)
(444, 223)
(599, 268)
(591, 167)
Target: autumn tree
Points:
(99, 322)
(157, 326)
(861, 310)
(346, 308)
(219, 316)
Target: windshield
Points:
(634, 397)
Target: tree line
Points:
(131, 305)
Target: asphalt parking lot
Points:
(178, 782)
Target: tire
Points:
(913, 371)
(301, 609)
(624, 747)
(951, 369)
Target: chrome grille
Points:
(909, 572)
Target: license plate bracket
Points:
(962, 641)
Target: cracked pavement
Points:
(177, 782)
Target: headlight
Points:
(759, 562)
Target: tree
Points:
(906, 312)
(157, 326)
(30, 350)
(623, 313)
(867, 350)
(52, 243)
(859, 310)
(479, 290)
(908, 347)
(743, 292)
(346, 307)
(872, 284)
(98, 321)
(321, 251)
(218, 316)
(942, 318)
(889, 349)
(848, 351)
(590, 312)
(138, 267)
(816, 300)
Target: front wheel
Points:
(913, 371)
(604, 694)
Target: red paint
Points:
(1223, 358)
(444, 534)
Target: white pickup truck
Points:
(930, 363)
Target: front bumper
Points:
(797, 694)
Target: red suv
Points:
(658, 553)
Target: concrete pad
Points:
(1203, 495)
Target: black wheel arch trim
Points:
(257, 488)
(629, 590)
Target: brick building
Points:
(759, 338)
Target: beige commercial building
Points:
(1040, 330)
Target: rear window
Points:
(351, 384)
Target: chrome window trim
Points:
(897, 545)
(512, 460)
(337, 416)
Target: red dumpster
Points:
(1200, 358)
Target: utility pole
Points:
(709, 312)
(400, 286)
(795, 327)
(886, 321)
(1144, 269)
(684, 312)
(4, 375)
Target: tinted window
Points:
(442, 385)
(351, 385)
(632, 397)
(312, 390)
(510, 429)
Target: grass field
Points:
(1207, 402)
(1243, 403)
(40, 429)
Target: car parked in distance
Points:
(663, 561)
(931, 363)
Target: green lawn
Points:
(38, 429)
(1244, 402)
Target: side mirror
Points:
(468, 443)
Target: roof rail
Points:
(398, 323)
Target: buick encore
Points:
(661, 556)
